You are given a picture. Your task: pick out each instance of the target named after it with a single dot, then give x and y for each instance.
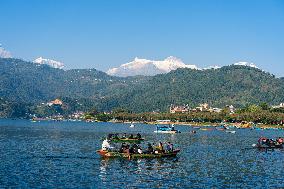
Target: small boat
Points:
(220, 129)
(206, 129)
(264, 147)
(132, 125)
(166, 129)
(125, 138)
(233, 132)
(130, 140)
(108, 154)
(265, 143)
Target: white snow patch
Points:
(52, 63)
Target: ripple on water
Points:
(62, 155)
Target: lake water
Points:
(52, 154)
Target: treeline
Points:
(251, 113)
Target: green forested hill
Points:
(25, 82)
(237, 85)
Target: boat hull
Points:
(125, 155)
(264, 147)
(169, 132)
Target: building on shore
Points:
(55, 102)
(179, 109)
(202, 107)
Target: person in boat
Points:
(169, 147)
(127, 149)
(150, 148)
(138, 136)
(109, 137)
(124, 136)
(279, 141)
(262, 140)
(139, 150)
(105, 145)
(122, 148)
(160, 148)
(271, 143)
(115, 136)
(131, 136)
(173, 127)
(134, 149)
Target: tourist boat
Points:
(126, 140)
(264, 143)
(166, 129)
(110, 154)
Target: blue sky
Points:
(104, 34)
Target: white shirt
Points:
(105, 145)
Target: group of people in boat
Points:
(117, 136)
(137, 149)
(278, 142)
(151, 148)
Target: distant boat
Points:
(132, 125)
(206, 129)
(166, 129)
(233, 132)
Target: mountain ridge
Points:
(22, 81)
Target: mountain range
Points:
(29, 83)
(148, 67)
(153, 67)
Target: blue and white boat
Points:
(166, 129)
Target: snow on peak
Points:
(4, 53)
(249, 64)
(52, 63)
(212, 67)
(149, 67)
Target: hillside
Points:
(236, 85)
(23, 81)
(26, 82)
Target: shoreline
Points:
(209, 124)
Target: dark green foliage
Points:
(29, 85)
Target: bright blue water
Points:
(63, 155)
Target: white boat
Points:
(233, 132)
(165, 129)
(132, 125)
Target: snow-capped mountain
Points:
(52, 63)
(249, 64)
(148, 67)
(4, 53)
(152, 67)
